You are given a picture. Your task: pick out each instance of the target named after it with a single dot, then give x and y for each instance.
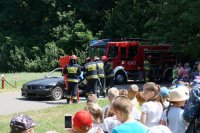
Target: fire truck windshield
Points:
(97, 51)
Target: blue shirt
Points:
(130, 127)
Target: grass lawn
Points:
(21, 78)
(48, 119)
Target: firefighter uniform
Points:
(91, 75)
(109, 73)
(101, 73)
(73, 71)
(146, 70)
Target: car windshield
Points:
(55, 73)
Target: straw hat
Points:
(178, 94)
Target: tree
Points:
(128, 19)
(93, 13)
(178, 22)
(31, 26)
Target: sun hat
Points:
(178, 94)
(83, 120)
(164, 91)
(21, 123)
(186, 90)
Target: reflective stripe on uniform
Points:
(100, 65)
(111, 75)
(72, 69)
(92, 76)
(72, 80)
(92, 67)
(101, 75)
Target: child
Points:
(152, 109)
(132, 92)
(112, 92)
(82, 122)
(123, 92)
(92, 98)
(22, 124)
(122, 108)
(140, 98)
(97, 116)
(109, 123)
(164, 92)
(177, 98)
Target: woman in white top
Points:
(152, 109)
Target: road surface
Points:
(13, 102)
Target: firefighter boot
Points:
(74, 101)
(68, 100)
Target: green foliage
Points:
(94, 13)
(48, 61)
(178, 22)
(128, 19)
(33, 34)
(82, 55)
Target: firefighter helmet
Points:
(88, 59)
(96, 58)
(104, 58)
(74, 57)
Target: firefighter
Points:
(109, 73)
(73, 72)
(90, 69)
(100, 72)
(146, 69)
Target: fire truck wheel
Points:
(120, 78)
(56, 93)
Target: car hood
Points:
(45, 81)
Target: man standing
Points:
(109, 73)
(100, 72)
(91, 75)
(73, 71)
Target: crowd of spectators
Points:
(186, 73)
(155, 109)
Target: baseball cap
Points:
(164, 91)
(21, 122)
(83, 120)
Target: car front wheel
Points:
(56, 93)
(120, 78)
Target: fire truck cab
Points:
(127, 58)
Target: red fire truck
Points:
(127, 58)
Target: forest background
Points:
(35, 33)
